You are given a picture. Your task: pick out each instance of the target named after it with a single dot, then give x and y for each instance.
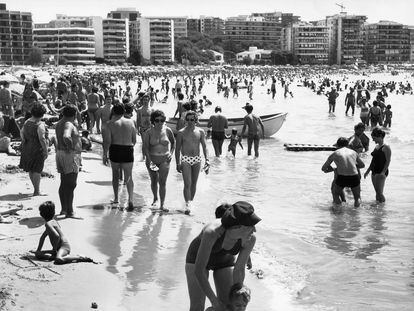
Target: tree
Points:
(35, 56)
(247, 60)
(135, 58)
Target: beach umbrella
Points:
(44, 77)
(8, 77)
(16, 89)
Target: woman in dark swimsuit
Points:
(216, 248)
(381, 158)
(159, 144)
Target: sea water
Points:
(313, 258)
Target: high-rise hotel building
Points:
(386, 42)
(310, 43)
(16, 36)
(71, 39)
(154, 39)
(346, 41)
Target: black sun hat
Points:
(240, 213)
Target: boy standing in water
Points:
(252, 122)
(388, 116)
(61, 247)
(234, 140)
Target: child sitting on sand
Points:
(239, 297)
(61, 247)
(234, 140)
(86, 142)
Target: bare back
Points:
(122, 132)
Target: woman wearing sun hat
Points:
(223, 246)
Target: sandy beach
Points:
(29, 284)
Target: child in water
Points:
(60, 244)
(234, 140)
(239, 297)
(388, 116)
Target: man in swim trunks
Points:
(347, 164)
(218, 123)
(121, 138)
(253, 135)
(68, 157)
(187, 156)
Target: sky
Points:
(400, 11)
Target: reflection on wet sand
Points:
(345, 225)
(146, 249)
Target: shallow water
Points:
(313, 258)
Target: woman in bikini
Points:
(381, 158)
(223, 246)
(159, 144)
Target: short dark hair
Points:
(69, 111)
(128, 108)
(378, 132)
(218, 108)
(249, 108)
(47, 210)
(118, 109)
(360, 125)
(38, 110)
(156, 114)
(191, 113)
(342, 142)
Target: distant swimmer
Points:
(347, 163)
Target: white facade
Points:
(180, 24)
(310, 43)
(75, 44)
(154, 39)
(254, 53)
(115, 34)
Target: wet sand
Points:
(141, 254)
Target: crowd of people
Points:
(77, 105)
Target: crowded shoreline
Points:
(93, 166)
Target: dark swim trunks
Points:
(348, 181)
(218, 135)
(121, 153)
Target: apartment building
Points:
(154, 39)
(180, 24)
(193, 25)
(386, 42)
(71, 40)
(285, 19)
(115, 34)
(310, 43)
(16, 36)
(346, 42)
(411, 31)
(211, 25)
(265, 33)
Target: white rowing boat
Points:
(272, 123)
